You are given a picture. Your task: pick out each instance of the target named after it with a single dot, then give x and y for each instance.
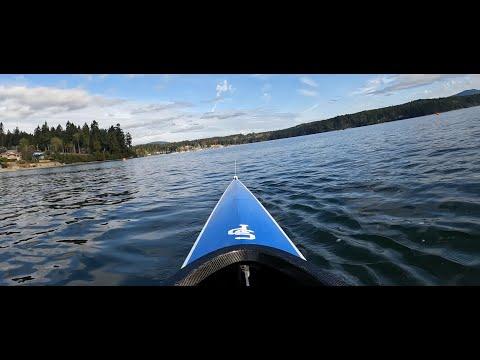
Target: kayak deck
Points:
(241, 245)
(239, 219)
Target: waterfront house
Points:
(12, 155)
(38, 155)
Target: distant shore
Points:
(409, 110)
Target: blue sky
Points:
(178, 107)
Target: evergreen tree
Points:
(2, 135)
(86, 137)
(111, 143)
(76, 138)
(128, 140)
(24, 147)
(16, 136)
(95, 143)
(56, 144)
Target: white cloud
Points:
(308, 81)
(196, 125)
(221, 88)
(150, 108)
(145, 120)
(21, 101)
(155, 122)
(306, 92)
(224, 87)
(214, 106)
(224, 114)
(387, 84)
(310, 108)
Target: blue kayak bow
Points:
(239, 219)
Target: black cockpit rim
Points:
(302, 272)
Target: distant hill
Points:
(408, 110)
(468, 92)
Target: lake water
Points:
(394, 204)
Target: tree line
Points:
(72, 140)
(369, 117)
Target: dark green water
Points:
(395, 203)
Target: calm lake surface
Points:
(394, 204)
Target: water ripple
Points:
(396, 204)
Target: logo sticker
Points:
(242, 233)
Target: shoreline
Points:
(38, 166)
(54, 164)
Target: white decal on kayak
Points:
(242, 233)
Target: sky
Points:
(172, 107)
